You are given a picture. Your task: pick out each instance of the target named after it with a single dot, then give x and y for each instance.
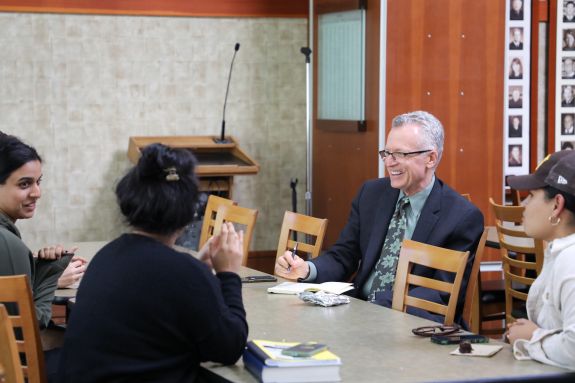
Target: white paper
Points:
(479, 350)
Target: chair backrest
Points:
(312, 228)
(413, 252)
(519, 254)
(16, 290)
(238, 215)
(471, 293)
(214, 202)
(9, 358)
(467, 196)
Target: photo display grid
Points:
(517, 87)
(565, 76)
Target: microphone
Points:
(222, 139)
(306, 52)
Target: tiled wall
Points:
(76, 87)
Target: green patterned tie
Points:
(387, 263)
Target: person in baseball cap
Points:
(549, 334)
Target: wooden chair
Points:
(214, 202)
(9, 358)
(467, 196)
(521, 255)
(237, 215)
(471, 311)
(312, 228)
(515, 197)
(16, 290)
(413, 252)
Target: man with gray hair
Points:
(411, 203)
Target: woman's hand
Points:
(204, 253)
(73, 273)
(54, 252)
(224, 252)
(520, 329)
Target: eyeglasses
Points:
(383, 154)
(428, 331)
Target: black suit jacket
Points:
(447, 220)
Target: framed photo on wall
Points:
(517, 86)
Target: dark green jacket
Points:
(16, 259)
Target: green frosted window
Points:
(341, 58)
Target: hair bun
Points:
(157, 158)
(149, 163)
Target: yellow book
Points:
(270, 353)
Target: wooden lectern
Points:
(217, 163)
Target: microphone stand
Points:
(306, 51)
(293, 184)
(223, 139)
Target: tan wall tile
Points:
(78, 86)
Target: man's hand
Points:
(290, 266)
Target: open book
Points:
(296, 288)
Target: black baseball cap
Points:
(556, 170)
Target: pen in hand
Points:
(292, 255)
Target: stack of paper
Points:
(296, 288)
(264, 359)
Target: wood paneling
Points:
(342, 161)
(232, 8)
(551, 75)
(263, 261)
(542, 14)
(536, 18)
(330, 6)
(446, 57)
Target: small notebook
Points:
(479, 350)
(295, 288)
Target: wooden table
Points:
(375, 343)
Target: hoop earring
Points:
(558, 220)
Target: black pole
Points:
(292, 184)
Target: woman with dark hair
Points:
(549, 334)
(20, 177)
(515, 69)
(144, 311)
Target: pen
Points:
(293, 255)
